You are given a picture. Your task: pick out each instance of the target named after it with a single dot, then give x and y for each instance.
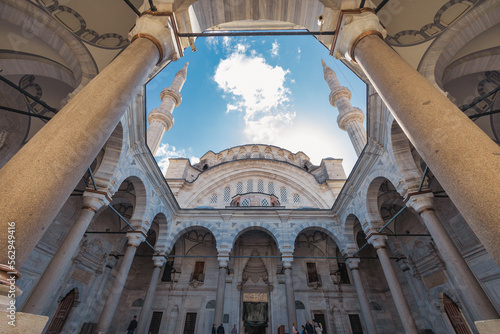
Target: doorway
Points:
(255, 317)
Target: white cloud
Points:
(298, 53)
(257, 89)
(226, 42)
(275, 49)
(165, 152)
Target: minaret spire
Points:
(161, 119)
(350, 118)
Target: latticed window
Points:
(227, 194)
(268, 156)
(255, 155)
(249, 186)
(245, 202)
(284, 196)
(296, 198)
(239, 188)
(213, 199)
(270, 188)
(264, 202)
(260, 186)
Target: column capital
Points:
(354, 115)
(353, 25)
(353, 263)
(223, 258)
(159, 260)
(420, 201)
(95, 199)
(377, 239)
(135, 238)
(287, 259)
(158, 29)
(173, 94)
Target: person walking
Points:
(318, 328)
(309, 328)
(234, 331)
(214, 329)
(220, 330)
(303, 330)
(132, 325)
(294, 329)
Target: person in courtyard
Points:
(294, 329)
(132, 325)
(318, 328)
(234, 331)
(309, 328)
(220, 330)
(214, 329)
(303, 330)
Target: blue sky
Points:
(256, 90)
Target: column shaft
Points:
(219, 300)
(38, 180)
(142, 327)
(397, 292)
(461, 156)
(371, 328)
(116, 291)
(43, 294)
(290, 298)
(463, 278)
(155, 135)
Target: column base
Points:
(488, 326)
(25, 323)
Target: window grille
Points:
(245, 202)
(270, 188)
(268, 156)
(227, 194)
(249, 186)
(284, 197)
(213, 199)
(296, 198)
(190, 323)
(260, 186)
(154, 326)
(239, 188)
(264, 202)
(256, 155)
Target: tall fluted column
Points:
(43, 294)
(67, 145)
(221, 289)
(350, 118)
(144, 317)
(370, 327)
(161, 119)
(289, 291)
(378, 241)
(134, 240)
(459, 272)
(461, 156)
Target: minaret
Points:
(161, 119)
(350, 118)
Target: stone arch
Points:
(178, 229)
(401, 151)
(372, 208)
(161, 238)
(142, 198)
(272, 230)
(113, 150)
(350, 222)
(322, 227)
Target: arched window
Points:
(270, 188)
(213, 199)
(227, 194)
(255, 155)
(249, 186)
(245, 202)
(239, 188)
(284, 196)
(264, 202)
(260, 186)
(296, 198)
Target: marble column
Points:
(221, 289)
(378, 241)
(370, 327)
(461, 155)
(461, 275)
(134, 240)
(161, 119)
(289, 291)
(44, 292)
(144, 317)
(350, 118)
(37, 181)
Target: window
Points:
(239, 188)
(355, 324)
(296, 198)
(260, 186)
(198, 271)
(167, 272)
(284, 197)
(63, 310)
(344, 276)
(312, 273)
(154, 327)
(270, 188)
(245, 202)
(227, 194)
(249, 186)
(190, 324)
(213, 199)
(264, 202)
(255, 155)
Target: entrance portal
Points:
(255, 317)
